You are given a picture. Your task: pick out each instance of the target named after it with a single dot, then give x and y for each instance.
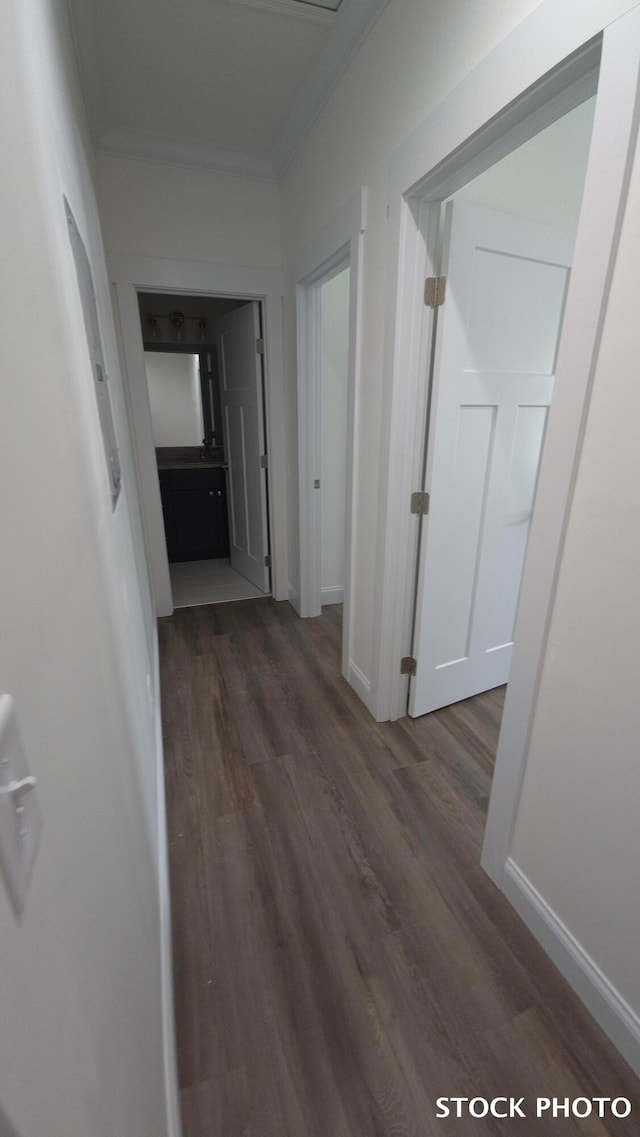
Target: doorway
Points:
(458, 140)
(324, 318)
(334, 382)
(327, 310)
(506, 248)
(131, 275)
(203, 361)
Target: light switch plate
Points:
(20, 820)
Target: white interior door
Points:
(244, 439)
(496, 348)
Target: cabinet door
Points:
(196, 522)
(194, 505)
(221, 523)
(166, 494)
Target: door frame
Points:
(130, 275)
(543, 69)
(338, 246)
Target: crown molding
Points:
(199, 155)
(353, 22)
(298, 9)
(348, 28)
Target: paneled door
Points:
(496, 344)
(244, 439)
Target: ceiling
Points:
(232, 85)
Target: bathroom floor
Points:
(209, 582)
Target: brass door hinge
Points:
(267, 561)
(407, 665)
(420, 503)
(260, 347)
(264, 461)
(434, 290)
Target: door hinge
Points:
(260, 347)
(267, 561)
(407, 665)
(420, 503)
(434, 290)
(264, 461)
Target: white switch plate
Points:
(20, 820)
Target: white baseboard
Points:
(606, 1004)
(171, 1088)
(331, 595)
(294, 598)
(360, 684)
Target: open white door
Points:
(496, 344)
(244, 434)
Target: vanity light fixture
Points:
(177, 320)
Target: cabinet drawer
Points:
(209, 478)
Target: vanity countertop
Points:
(187, 458)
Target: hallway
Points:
(340, 959)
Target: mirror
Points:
(179, 337)
(173, 382)
(183, 398)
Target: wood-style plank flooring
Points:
(340, 959)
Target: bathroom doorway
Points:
(203, 361)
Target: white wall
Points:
(334, 367)
(542, 180)
(415, 54)
(80, 1022)
(577, 837)
(173, 382)
(155, 210)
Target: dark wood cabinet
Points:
(194, 507)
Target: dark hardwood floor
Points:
(340, 959)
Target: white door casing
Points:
(496, 347)
(241, 389)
